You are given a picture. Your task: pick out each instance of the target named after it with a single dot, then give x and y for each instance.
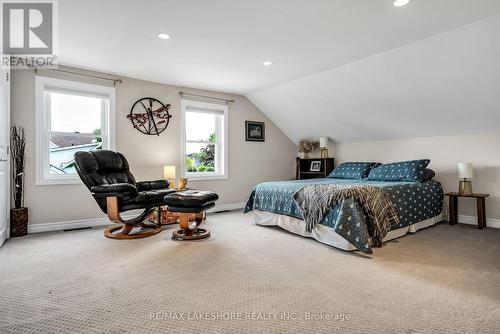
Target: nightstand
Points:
(481, 208)
(303, 168)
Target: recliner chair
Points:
(106, 174)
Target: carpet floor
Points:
(250, 279)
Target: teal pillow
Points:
(413, 170)
(352, 170)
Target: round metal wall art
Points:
(150, 116)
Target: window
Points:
(204, 138)
(70, 117)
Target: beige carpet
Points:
(444, 279)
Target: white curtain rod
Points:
(206, 97)
(82, 74)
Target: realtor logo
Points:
(27, 28)
(28, 33)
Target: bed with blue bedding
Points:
(417, 203)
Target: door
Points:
(4, 154)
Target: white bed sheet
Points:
(326, 234)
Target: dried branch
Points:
(18, 157)
(308, 146)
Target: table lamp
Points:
(465, 173)
(169, 174)
(323, 144)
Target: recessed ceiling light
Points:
(163, 35)
(400, 3)
(267, 63)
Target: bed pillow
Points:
(429, 174)
(352, 170)
(413, 170)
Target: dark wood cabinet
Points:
(303, 168)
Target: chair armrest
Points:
(114, 189)
(152, 185)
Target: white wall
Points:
(249, 162)
(483, 150)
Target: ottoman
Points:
(188, 203)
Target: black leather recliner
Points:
(106, 174)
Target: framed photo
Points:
(315, 166)
(255, 131)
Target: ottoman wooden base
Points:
(194, 234)
(191, 231)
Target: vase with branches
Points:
(307, 146)
(19, 214)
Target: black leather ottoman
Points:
(188, 203)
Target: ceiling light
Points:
(400, 3)
(163, 35)
(267, 63)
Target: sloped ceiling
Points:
(443, 85)
(220, 44)
(349, 69)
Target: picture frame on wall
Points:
(315, 166)
(255, 131)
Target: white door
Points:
(4, 157)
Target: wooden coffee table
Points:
(167, 217)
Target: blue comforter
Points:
(413, 201)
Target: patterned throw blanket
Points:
(316, 200)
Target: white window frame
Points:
(43, 84)
(221, 149)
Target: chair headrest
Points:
(102, 167)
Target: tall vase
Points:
(18, 222)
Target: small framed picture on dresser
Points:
(255, 131)
(315, 166)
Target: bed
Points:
(346, 225)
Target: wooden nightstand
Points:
(303, 168)
(481, 208)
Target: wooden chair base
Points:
(127, 227)
(187, 234)
(127, 231)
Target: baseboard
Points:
(227, 207)
(472, 220)
(68, 225)
(3, 235)
(96, 222)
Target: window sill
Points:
(58, 182)
(194, 177)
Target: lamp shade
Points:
(323, 142)
(169, 172)
(465, 170)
